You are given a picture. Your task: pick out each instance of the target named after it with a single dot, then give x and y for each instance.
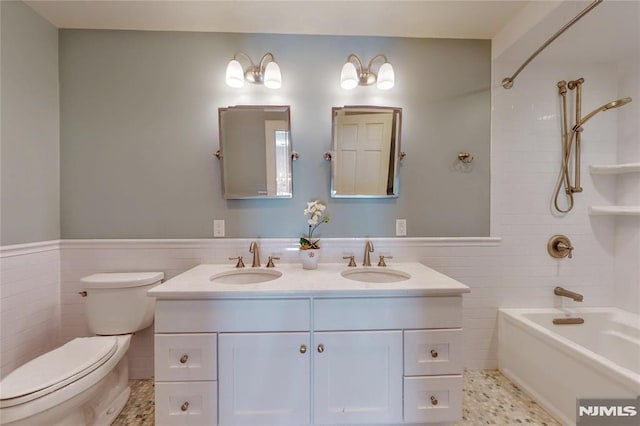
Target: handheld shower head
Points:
(613, 104)
(616, 104)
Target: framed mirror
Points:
(365, 152)
(255, 152)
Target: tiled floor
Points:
(489, 399)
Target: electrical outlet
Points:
(218, 228)
(401, 227)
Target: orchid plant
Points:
(317, 216)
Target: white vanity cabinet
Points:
(308, 356)
(357, 377)
(264, 378)
(416, 347)
(252, 372)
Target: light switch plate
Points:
(401, 227)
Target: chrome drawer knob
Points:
(320, 348)
(303, 349)
(185, 406)
(434, 353)
(434, 400)
(184, 358)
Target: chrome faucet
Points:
(368, 248)
(559, 291)
(255, 250)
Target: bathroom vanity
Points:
(308, 347)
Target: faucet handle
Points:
(270, 263)
(352, 261)
(381, 262)
(563, 248)
(240, 263)
(560, 246)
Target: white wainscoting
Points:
(29, 302)
(499, 274)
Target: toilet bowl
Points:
(85, 381)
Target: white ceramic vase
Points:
(310, 258)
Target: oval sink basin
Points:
(248, 276)
(381, 275)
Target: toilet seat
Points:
(56, 369)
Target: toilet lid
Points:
(56, 369)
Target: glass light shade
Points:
(272, 76)
(386, 77)
(348, 76)
(235, 74)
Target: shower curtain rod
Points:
(507, 82)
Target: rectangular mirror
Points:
(365, 151)
(255, 152)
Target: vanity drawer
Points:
(435, 399)
(234, 315)
(184, 357)
(432, 352)
(387, 313)
(186, 403)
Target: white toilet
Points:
(84, 382)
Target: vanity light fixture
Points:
(267, 72)
(354, 74)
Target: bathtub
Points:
(557, 364)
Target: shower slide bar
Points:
(507, 82)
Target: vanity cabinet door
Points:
(358, 377)
(264, 378)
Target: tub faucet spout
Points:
(559, 291)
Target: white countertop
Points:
(325, 281)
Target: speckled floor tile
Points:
(489, 399)
(139, 409)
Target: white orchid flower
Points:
(315, 209)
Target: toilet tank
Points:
(117, 302)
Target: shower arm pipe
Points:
(507, 82)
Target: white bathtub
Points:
(557, 364)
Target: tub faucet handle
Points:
(560, 246)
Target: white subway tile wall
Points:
(29, 302)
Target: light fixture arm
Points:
(379, 55)
(358, 63)
(264, 62)
(355, 74)
(255, 73)
(366, 76)
(247, 57)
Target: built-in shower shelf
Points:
(614, 210)
(614, 169)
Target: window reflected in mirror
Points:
(255, 151)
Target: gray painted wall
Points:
(139, 129)
(29, 136)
